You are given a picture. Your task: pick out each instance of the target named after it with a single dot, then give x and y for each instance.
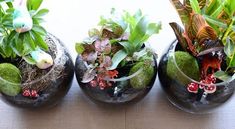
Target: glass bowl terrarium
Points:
(197, 71)
(114, 65)
(36, 70)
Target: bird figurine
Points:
(43, 59)
(22, 21)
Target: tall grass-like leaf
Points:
(212, 6)
(195, 6)
(139, 31)
(218, 10)
(117, 58)
(179, 35)
(182, 11)
(215, 21)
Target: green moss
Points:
(10, 73)
(188, 65)
(143, 79)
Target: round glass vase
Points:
(121, 92)
(52, 86)
(177, 93)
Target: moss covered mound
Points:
(10, 79)
(143, 79)
(187, 64)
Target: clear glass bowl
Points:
(178, 94)
(54, 84)
(121, 92)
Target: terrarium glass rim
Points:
(58, 56)
(174, 43)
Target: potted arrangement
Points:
(114, 65)
(36, 70)
(197, 71)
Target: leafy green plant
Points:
(208, 28)
(119, 42)
(12, 43)
(21, 36)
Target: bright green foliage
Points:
(13, 44)
(10, 79)
(140, 30)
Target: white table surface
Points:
(70, 20)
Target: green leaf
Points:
(10, 79)
(41, 13)
(33, 4)
(139, 31)
(130, 49)
(212, 6)
(215, 21)
(39, 29)
(17, 45)
(29, 41)
(229, 48)
(153, 28)
(39, 40)
(195, 6)
(117, 58)
(29, 60)
(79, 48)
(37, 21)
(218, 10)
(222, 76)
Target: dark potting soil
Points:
(52, 84)
(118, 93)
(190, 102)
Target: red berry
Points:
(26, 93)
(210, 78)
(210, 89)
(34, 94)
(193, 87)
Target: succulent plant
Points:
(208, 35)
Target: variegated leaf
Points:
(202, 29)
(182, 11)
(179, 35)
